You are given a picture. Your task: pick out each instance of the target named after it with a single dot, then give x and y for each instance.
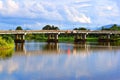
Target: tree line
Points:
(52, 27)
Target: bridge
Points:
(79, 35)
(58, 31)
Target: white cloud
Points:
(1, 5)
(31, 9)
(84, 5)
(12, 67)
(62, 12)
(40, 11)
(79, 1)
(107, 9)
(12, 5)
(1, 68)
(75, 16)
(8, 7)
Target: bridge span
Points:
(79, 35)
(58, 31)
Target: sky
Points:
(66, 14)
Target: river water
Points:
(61, 61)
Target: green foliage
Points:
(8, 38)
(92, 39)
(6, 42)
(49, 27)
(3, 42)
(36, 37)
(81, 28)
(19, 28)
(6, 46)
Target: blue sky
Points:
(66, 14)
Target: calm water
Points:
(62, 61)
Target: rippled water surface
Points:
(61, 61)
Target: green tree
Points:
(81, 28)
(19, 28)
(49, 27)
(75, 29)
(114, 27)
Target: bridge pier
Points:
(19, 38)
(80, 37)
(19, 42)
(105, 38)
(108, 36)
(53, 37)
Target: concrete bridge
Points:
(79, 35)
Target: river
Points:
(62, 61)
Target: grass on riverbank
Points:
(6, 43)
(61, 39)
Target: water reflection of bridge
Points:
(56, 48)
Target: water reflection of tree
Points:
(7, 53)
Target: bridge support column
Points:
(80, 37)
(56, 36)
(105, 38)
(108, 36)
(19, 42)
(19, 38)
(84, 36)
(52, 37)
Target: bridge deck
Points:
(57, 31)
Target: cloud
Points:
(31, 9)
(62, 12)
(75, 16)
(79, 1)
(107, 12)
(1, 5)
(48, 13)
(8, 7)
(84, 5)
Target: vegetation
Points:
(6, 42)
(81, 28)
(114, 27)
(49, 27)
(19, 28)
(36, 37)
